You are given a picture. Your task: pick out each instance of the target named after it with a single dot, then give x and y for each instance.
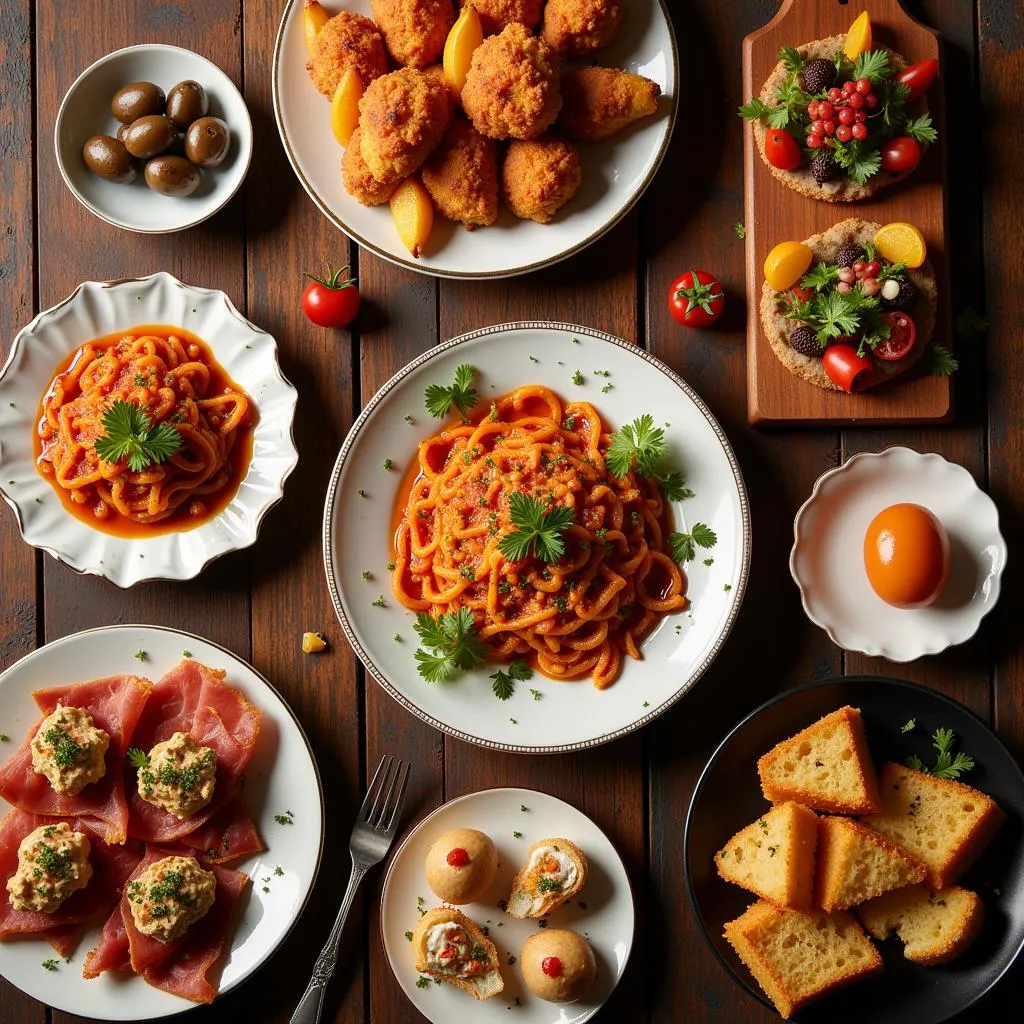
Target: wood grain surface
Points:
(258, 603)
(775, 213)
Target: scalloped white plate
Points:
(615, 172)
(248, 354)
(358, 537)
(827, 560)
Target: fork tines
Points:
(385, 794)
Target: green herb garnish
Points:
(640, 444)
(130, 434)
(538, 529)
(547, 885)
(947, 765)
(504, 684)
(684, 544)
(137, 757)
(909, 726)
(66, 751)
(450, 644)
(461, 394)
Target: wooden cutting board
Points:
(774, 213)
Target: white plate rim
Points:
(521, 795)
(71, 638)
(834, 630)
(246, 150)
(410, 263)
(183, 572)
(333, 494)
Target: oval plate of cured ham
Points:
(257, 838)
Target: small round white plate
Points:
(827, 560)
(282, 776)
(615, 172)
(358, 536)
(85, 111)
(602, 912)
(248, 354)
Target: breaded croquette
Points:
(414, 30)
(496, 14)
(346, 41)
(540, 176)
(598, 102)
(512, 88)
(357, 179)
(402, 117)
(461, 176)
(575, 28)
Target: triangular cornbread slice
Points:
(774, 856)
(944, 824)
(856, 863)
(825, 766)
(935, 925)
(797, 956)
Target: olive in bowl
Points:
(187, 102)
(207, 142)
(136, 100)
(172, 175)
(108, 157)
(150, 136)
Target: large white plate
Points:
(603, 911)
(248, 354)
(615, 172)
(282, 776)
(357, 536)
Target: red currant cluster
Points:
(843, 114)
(866, 272)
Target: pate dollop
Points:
(69, 750)
(170, 896)
(53, 862)
(180, 776)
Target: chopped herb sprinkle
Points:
(577, 378)
(388, 464)
(379, 602)
(50, 965)
(288, 818)
(141, 656)
(517, 835)
(366, 574)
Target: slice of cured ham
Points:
(194, 699)
(115, 704)
(229, 835)
(111, 867)
(111, 952)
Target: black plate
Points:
(728, 797)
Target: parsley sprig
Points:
(450, 644)
(639, 445)
(130, 434)
(461, 394)
(539, 529)
(834, 314)
(684, 545)
(947, 764)
(137, 757)
(505, 680)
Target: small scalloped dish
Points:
(827, 560)
(247, 354)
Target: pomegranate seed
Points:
(856, 100)
(871, 100)
(818, 127)
(864, 86)
(872, 269)
(860, 116)
(812, 110)
(815, 141)
(835, 94)
(847, 116)
(843, 288)
(848, 87)
(843, 133)
(829, 127)
(846, 274)
(871, 286)
(860, 131)
(825, 110)
(858, 267)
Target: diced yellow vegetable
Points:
(413, 214)
(900, 242)
(858, 39)
(786, 264)
(313, 643)
(345, 106)
(314, 17)
(465, 36)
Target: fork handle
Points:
(312, 1001)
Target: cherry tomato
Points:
(696, 299)
(902, 335)
(551, 966)
(901, 154)
(458, 858)
(847, 369)
(781, 149)
(918, 77)
(332, 300)
(801, 294)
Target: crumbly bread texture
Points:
(526, 901)
(825, 245)
(935, 925)
(481, 986)
(825, 766)
(797, 956)
(944, 824)
(840, 190)
(774, 856)
(856, 863)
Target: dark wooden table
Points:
(257, 603)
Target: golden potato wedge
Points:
(413, 214)
(345, 106)
(466, 35)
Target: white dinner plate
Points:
(97, 308)
(602, 912)
(615, 172)
(358, 536)
(827, 560)
(282, 776)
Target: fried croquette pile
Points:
(509, 133)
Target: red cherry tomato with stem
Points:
(902, 335)
(847, 369)
(781, 149)
(696, 299)
(901, 154)
(332, 300)
(918, 77)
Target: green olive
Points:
(207, 142)
(172, 175)
(150, 135)
(137, 100)
(107, 157)
(187, 102)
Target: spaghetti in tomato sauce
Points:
(172, 378)
(573, 617)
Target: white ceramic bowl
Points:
(827, 560)
(85, 111)
(249, 356)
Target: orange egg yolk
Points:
(906, 555)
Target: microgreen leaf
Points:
(673, 486)
(684, 544)
(505, 680)
(137, 757)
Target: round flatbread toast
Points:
(825, 246)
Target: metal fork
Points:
(371, 839)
